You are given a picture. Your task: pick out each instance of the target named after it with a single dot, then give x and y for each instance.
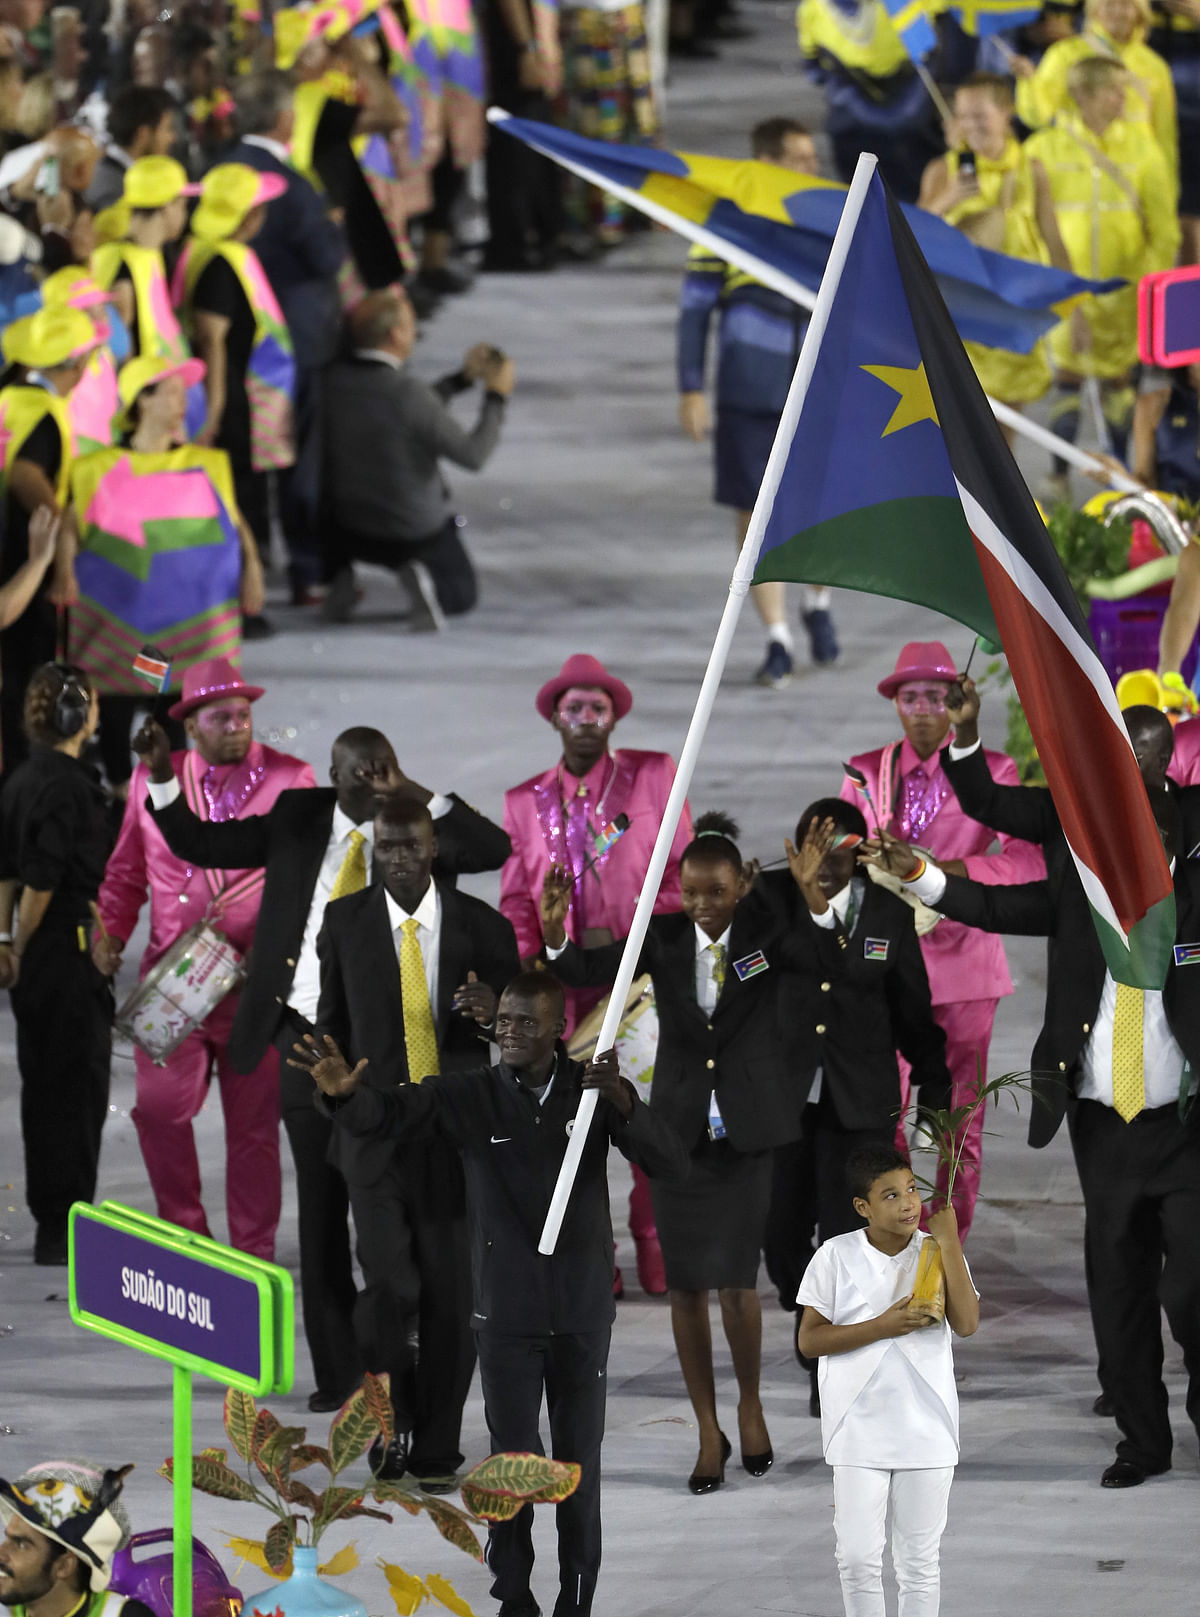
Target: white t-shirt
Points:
(890, 1405)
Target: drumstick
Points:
(96, 916)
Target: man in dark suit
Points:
(429, 1017)
(1129, 1102)
(301, 249)
(312, 844)
(542, 1324)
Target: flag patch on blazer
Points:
(750, 965)
(1187, 954)
(875, 949)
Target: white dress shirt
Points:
(1162, 1059)
(428, 916)
(276, 147)
(382, 356)
(707, 992)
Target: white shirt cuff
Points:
(964, 752)
(553, 954)
(439, 806)
(929, 885)
(827, 921)
(163, 792)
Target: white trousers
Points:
(920, 1500)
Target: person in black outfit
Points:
(524, 189)
(56, 830)
(730, 1078)
(1139, 1168)
(868, 997)
(304, 844)
(542, 1324)
(407, 1201)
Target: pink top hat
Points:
(919, 659)
(584, 670)
(208, 682)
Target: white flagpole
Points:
(789, 288)
(739, 586)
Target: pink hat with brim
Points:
(919, 659)
(270, 188)
(584, 671)
(210, 681)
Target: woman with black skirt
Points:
(729, 1077)
(57, 830)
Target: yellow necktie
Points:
(352, 877)
(717, 950)
(420, 1040)
(1129, 1088)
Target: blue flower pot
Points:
(304, 1594)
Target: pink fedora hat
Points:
(208, 682)
(584, 670)
(919, 659)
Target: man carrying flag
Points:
(891, 475)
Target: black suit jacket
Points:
(1057, 909)
(751, 1051)
(301, 250)
(867, 996)
(512, 1150)
(290, 843)
(361, 1005)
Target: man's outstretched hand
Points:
(962, 709)
(603, 1075)
(326, 1064)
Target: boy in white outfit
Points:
(889, 1408)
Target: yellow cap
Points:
(49, 338)
(227, 194)
(149, 369)
(112, 224)
(72, 288)
(153, 182)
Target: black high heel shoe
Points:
(758, 1464)
(709, 1484)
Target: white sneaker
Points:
(426, 616)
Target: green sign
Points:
(201, 1306)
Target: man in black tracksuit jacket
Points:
(540, 1322)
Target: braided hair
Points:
(42, 697)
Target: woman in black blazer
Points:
(730, 1079)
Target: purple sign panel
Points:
(180, 1303)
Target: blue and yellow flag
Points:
(983, 17)
(891, 475)
(785, 222)
(912, 21)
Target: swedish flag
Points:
(786, 223)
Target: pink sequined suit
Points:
(544, 821)
(1185, 761)
(968, 972)
(169, 1097)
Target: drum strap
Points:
(224, 891)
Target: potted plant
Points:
(273, 1454)
(943, 1131)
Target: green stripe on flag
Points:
(1144, 963)
(918, 549)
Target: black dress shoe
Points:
(50, 1251)
(758, 1464)
(387, 1461)
(1128, 1474)
(326, 1403)
(699, 1483)
(1103, 1405)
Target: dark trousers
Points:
(327, 1290)
(413, 1314)
(117, 715)
(443, 553)
(903, 154)
(299, 486)
(253, 491)
(809, 1195)
(1141, 1196)
(572, 1370)
(63, 1010)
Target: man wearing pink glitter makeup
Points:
(596, 813)
(968, 973)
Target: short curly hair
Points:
(41, 695)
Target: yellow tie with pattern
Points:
(352, 877)
(420, 1040)
(717, 950)
(1129, 1088)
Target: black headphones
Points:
(73, 702)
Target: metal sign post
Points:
(202, 1307)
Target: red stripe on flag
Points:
(1085, 757)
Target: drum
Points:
(180, 990)
(636, 1042)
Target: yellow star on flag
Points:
(916, 401)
